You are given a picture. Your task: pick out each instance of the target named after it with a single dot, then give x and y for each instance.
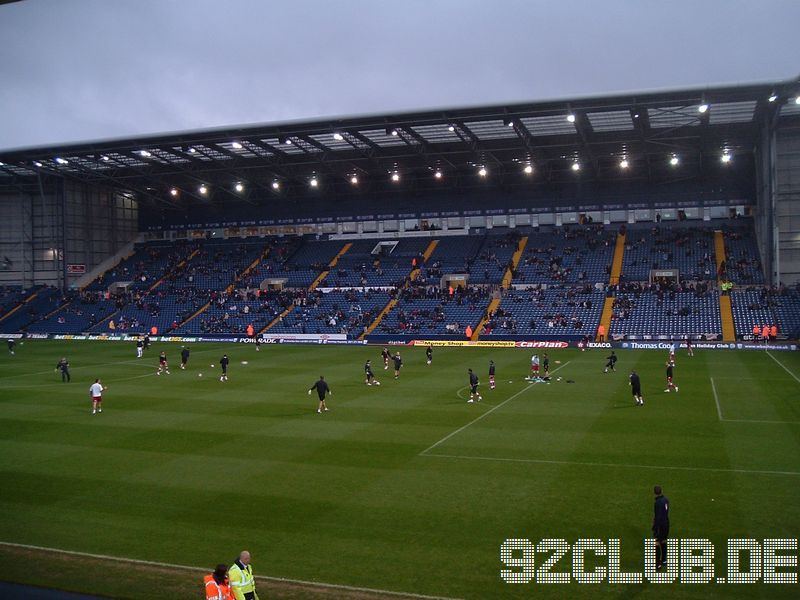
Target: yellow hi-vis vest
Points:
(241, 581)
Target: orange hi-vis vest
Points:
(756, 330)
(217, 591)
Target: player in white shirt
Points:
(96, 393)
(535, 365)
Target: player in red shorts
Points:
(670, 384)
(96, 393)
(535, 365)
(385, 355)
(162, 363)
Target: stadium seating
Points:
(347, 312)
(567, 255)
(46, 301)
(689, 249)
(554, 312)
(667, 314)
(743, 265)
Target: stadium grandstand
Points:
(656, 215)
(476, 238)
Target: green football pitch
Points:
(401, 487)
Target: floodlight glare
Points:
(239, 187)
(797, 100)
(395, 177)
(451, 129)
(338, 136)
(726, 158)
(702, 108)
(571, 118)
(576, 166)
(173, 192)
(192, 150)
(674, 160)
(313, 183)
(236, 145)
(288, 142)
(623, 164)
(145, 153)
(61, 161)
(438, 174)
(772, 98)
(37, 163)
(354, 180)
(482, 172)
(276, 185)
(105, 158)
(203, 189)
(528, 169)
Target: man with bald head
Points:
(240, 575)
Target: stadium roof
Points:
(510, 145)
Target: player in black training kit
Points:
(223, 362)
(398, 363)
(636, 388)
(184, 357)
(11, 345)
(429, 354)
(322, 389)
(473, 387)
(545, 364)
(370, 376)
(63, 366)
(612, 361)
(660, 526)
(491, 374)
(670, 384)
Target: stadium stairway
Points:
(393, 302)
(21, 304)
(180, 265)
(616, 272)
(313, 286)
(507, 278)
(228, 290)
(725, 308)
(331, 265)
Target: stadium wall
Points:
(787, 204)
(52, 238)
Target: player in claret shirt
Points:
(670, 384)
(385, 356)
(162, 363)
(491, 375)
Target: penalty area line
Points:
(265, 578)
(486, 414)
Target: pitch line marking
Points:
(151, 563)
(716, 399)
(783, 366)
(598, 464)
(724, 420)
(487, 413)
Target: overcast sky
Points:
(75, 70)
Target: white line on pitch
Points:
(598, 464)
(487, 413)
(261, 577)
(716, 399)
(783, 367)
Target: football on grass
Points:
(377, 383)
